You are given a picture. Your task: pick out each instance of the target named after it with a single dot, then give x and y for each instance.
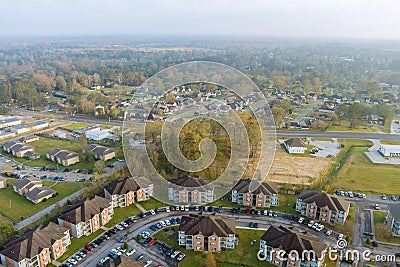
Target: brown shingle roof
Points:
(322, 199)
(189, 181)
(40, 192)
(243, 186)
(33, 241)
(26, 182)
(207, 225)
(85, 210)
(121, 187)
(290, 239)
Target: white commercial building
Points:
(97, 134)
(390, 150)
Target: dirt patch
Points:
(289, 169)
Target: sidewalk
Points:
(140, 207)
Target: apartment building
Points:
(100, 152)
(265, 195)
(207, 233)
(130, 190)
(63, 156)
(322, 207)
(276, 239)
(36, 247)
(191, 190)
(87, 216)
(393, 218)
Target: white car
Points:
(124, 224)
(130, 252)
(328, 232)
(301, 220)
(310, 224)
(148, 263)
(174, 254)
(121, 249)
(265, 212)
(186, 208)
(340, 236)
(119, 227)
(167, 209)
(163, 224)
(182, 208)
(167, 222)
(103, 260)
(116, 251)
(152, 212)
(377, 207)
(72, 261)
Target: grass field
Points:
(76, 126)
(390, 142)
(78, 243)
(360, 173)
(348, 227)
(362, 127)
(17, 207)
(245, 254)
(121, 214)
(152, 203)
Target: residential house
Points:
(265, 195)
(36, 247)
(63, 156)
(33, 190)
(280, 239)
(207, 233)
(295, 146)
(322, 207)
(193, 190)
(393, 218)
(130, 190)
(100, 152)
(29, 139)
(87, 216)
(20, 150)
(3, 182)
(327, 107)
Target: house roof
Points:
(121, 187)
(243, 186)
(10, 144)
(54, 151)
(21, 147)
(28, 138)
(322, 199)
(26, 182)
(85, 210)
(98, 149)
(295, 142)
(62, 153)
(395, 211)
(290, 239)
(189, 181)
(207, 225)
(33, 241)
(39, 193)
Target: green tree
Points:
(99, 165)
(355, 112)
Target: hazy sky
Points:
(281, 18)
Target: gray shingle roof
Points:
(243, 186)
(207, 225)
(323, 199)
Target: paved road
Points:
(43, 212)
(310, 108)
(345, 135)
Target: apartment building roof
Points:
(28, 183)
(85, 210)
(98, 149)
(121, 187)
(189, 181)
(207, 225)
(290, 239)
(33, 241)
(243, 186)
(395, 211)
(322, 199)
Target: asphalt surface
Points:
(344, 135)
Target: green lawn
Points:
(17, 207)
(245, 254)
(76, 126)
(360, 173)
(152, 203)
(345, 127)
(390, 142)
(78, 243)
(121, 214)
(348, 227)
